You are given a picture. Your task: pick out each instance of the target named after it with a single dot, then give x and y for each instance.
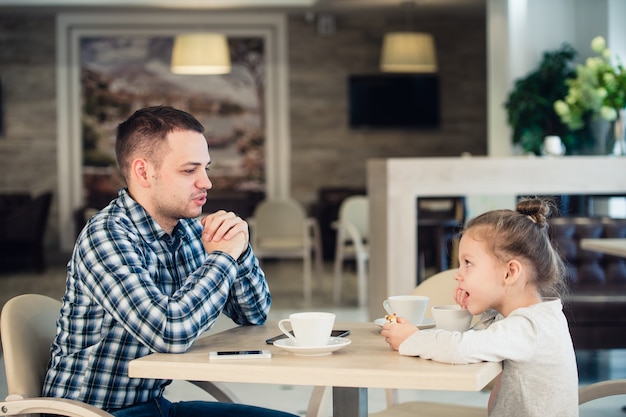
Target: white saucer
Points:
(425, 324)
(334, 343)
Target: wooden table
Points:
(615, 247)
(367, 362)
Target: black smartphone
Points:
(334, 333)
(239, 354)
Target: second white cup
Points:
(452, 317)
(411, 307)
(310, 329)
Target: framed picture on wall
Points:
(122, 73)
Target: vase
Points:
(552, 146)
(619, 142)
(600, 130)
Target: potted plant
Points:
(596, 96)
(530, 104)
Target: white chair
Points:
(28, 326)
(439, 288)
(352, 234)
(601, 389)
(280, 228)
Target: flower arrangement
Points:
(530, 104)
(599, 89)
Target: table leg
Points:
(349, 402)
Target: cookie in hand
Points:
(391, 318)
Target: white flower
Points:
(598, 89)
(608, 113)
(598, 44)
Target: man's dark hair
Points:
(145, 131)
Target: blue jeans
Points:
(160, 407)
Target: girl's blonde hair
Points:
(523, 233)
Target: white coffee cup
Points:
(411, 307)
(310, 329)
(452, 317)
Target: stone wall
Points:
(324, 151)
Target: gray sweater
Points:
(539, 376)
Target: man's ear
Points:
(140, 172)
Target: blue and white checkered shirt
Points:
(131, 290)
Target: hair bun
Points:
(536, 209)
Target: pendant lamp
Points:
(200, 53)
(408, 52)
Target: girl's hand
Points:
(460, 296)
(396, 333)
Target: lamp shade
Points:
(408, 52)
(200, 53)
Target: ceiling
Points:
(283, 5)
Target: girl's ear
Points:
(514, 270)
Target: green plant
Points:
(599, 89)
(530, 104)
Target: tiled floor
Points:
(286, 286)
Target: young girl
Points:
(508, 268)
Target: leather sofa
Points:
(595, 305)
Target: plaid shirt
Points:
(131, 290)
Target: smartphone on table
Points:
(334, 333)
(239, 354)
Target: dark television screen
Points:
(393, 101)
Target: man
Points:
(147, 276)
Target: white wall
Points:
(616, 35)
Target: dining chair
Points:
(602, 389)
(280, 228)
(352, 228)
(439, 288)
(438, 222)
(27, 328)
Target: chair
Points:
(438, 219)
(439, 288)
(601, 389)
(22, 231)
(280, 228)
(28, 326)
(352, 235)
